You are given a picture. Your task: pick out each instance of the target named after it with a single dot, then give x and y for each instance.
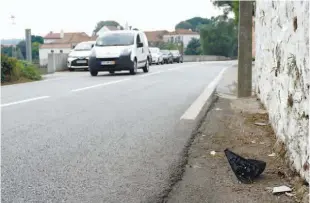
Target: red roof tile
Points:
(155, 36)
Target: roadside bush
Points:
(30, 71)
(13, 70)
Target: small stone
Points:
(281, 189)
(213, 153)
(260, 124)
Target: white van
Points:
(120, 50)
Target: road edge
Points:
(177, 175)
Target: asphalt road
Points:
(110, 138)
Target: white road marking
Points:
(171, 69)
(24, 101)
(100, 85)
(153, 73)
(192, 112)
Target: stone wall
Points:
(282, 74)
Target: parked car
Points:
(177, 57)
(167, 56)
(157, 56)
(120, 50)
(150, 57)
(79, 56)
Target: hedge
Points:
(14, 70)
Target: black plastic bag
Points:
(246, 170)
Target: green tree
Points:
(193, 47)
(22, 47)
(183, 25)
(231, 6)
(220, 37)
(193, 23)
(19, 54)
(35, 50)
(38, 39)
(100, 24)
(169, 46)
(8, 51)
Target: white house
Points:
(181, 35)
(60, 43)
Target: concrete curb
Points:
(180, 168)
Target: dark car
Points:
(150, 58)
(177, 56)
(167, 56)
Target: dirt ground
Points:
(230, 123)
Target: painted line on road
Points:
(172, 69)
(24, 101)
(153, 73)
(192, 112)
(100, 85)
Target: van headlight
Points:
(126, 51)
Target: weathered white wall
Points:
(282, 74)
(184, 38)
(43, 54)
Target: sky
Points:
(43, 16)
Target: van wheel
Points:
(146, 67)
(135, 68)
(93, 73)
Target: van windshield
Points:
(116, 39)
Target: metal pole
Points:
(28, 45)
(245, 49)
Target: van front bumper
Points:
(119, 64)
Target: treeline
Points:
(218, 36)
(20, 51)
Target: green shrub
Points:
(13, 70)
(30, 71)
(8, 68)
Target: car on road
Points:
(167, 56)
(118, 51)
(79, 56)
(150, 57)
(157, 56)
(177, 56)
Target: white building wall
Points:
(282, 74)
(43, 54)
(48, 41)
(184, 38)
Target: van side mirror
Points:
(92, 45)
(140, 44)
(73, 46)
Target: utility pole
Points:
(245, 49)
(28, 45)
(14, 51)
